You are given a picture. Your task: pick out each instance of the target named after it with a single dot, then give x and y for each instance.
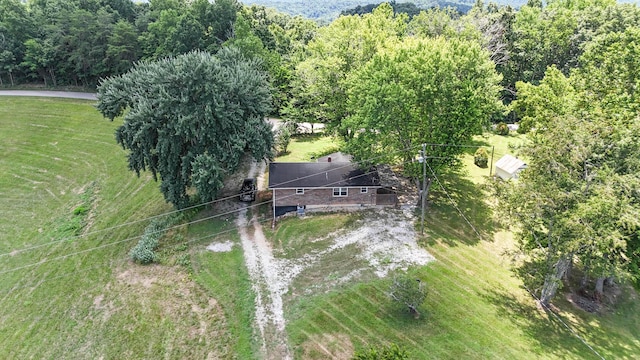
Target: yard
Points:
(476, 308)
(334, 298)
(73, 211)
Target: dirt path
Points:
(385, 240)
(267, 285)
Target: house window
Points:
(363, 190)
(340, 192)
(299, 191)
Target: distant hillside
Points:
(408, 8)
(331, 9)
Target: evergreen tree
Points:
(190, 119)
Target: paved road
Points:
(56, 94)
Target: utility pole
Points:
(493, 149)
(423, 160)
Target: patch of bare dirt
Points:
(385, 240)
(587, 300)
(328, 346)
(168, 293)
(584, 303)
(220, 247)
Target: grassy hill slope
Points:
(70, 212)
(475, 308)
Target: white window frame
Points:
(340, 191)
(299, 191)
(364, 190)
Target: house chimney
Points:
(329, 159)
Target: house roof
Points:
(320, 174)
(510, 164)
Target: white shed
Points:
(508, 167)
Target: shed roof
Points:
(320, 174)
(510, 164)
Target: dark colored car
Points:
(248, 190)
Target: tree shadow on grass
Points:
(550, 330)
(459, 211)
(477, 142)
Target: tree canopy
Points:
(190, 119)
(433, 91)
(577, 203)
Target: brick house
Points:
(323, 185)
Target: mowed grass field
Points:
(70, 210)
(475, 309)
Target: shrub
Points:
(283, 138)
(291, 126)
(524, 127)
(143, 252)
(502, 129)
(80, 210)
(393, 352)
(409, 292)
(324, 152)
(481, 157)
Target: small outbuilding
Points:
(508, 167)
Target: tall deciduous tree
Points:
(433, 91)
(578, 200)
(190, 119)
(122, 48)
(338, 49)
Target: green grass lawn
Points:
(304, 147)
(71, 211)
(475, 309)
(224, 277)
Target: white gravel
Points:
(221, 247)
(385, 237)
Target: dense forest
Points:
(385, 82)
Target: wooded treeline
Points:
(78, 42)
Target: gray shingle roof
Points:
(321, 174)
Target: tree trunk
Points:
(569, 269)
(415, 312)
(552, 281)
(53, 76)
(11, 78)
(585, 279)
(599, 288)
(610, 281)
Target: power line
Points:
(263, 220)
(187, 223)
(162, 230)
(525, 287)
(69, 238)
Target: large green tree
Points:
(577, 202)
(190, 119)
(342, 47)
(434, 91)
